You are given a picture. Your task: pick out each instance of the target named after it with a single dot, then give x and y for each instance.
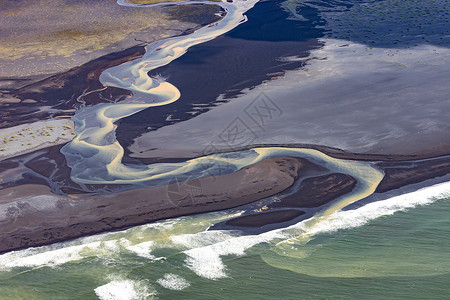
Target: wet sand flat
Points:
(348, 96)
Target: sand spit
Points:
(27, 138)
(315, 193)
(30, 215)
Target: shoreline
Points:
(33, 216)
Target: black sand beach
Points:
(65, 217)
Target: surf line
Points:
(95, 155)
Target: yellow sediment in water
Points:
(367, 176)
(95, 125)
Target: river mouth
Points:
(145, 203)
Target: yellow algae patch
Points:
(26, 138)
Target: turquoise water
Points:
(391, 249)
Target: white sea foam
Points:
(32, 257)
(173, 282)
(205, 249)
(57, 254)
(200, 239)
(206, 261)
(123, 290)
(358, 217)
(107, 244)
(142, 249)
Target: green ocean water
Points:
(397, 248)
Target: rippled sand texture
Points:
(350, 95)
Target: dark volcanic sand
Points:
(73, 216)
(403, 173)
(265, 218)
(242, 58)
(33, 216)
(321, 190)
(79, 215)
(313, 192)
(317, 191)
